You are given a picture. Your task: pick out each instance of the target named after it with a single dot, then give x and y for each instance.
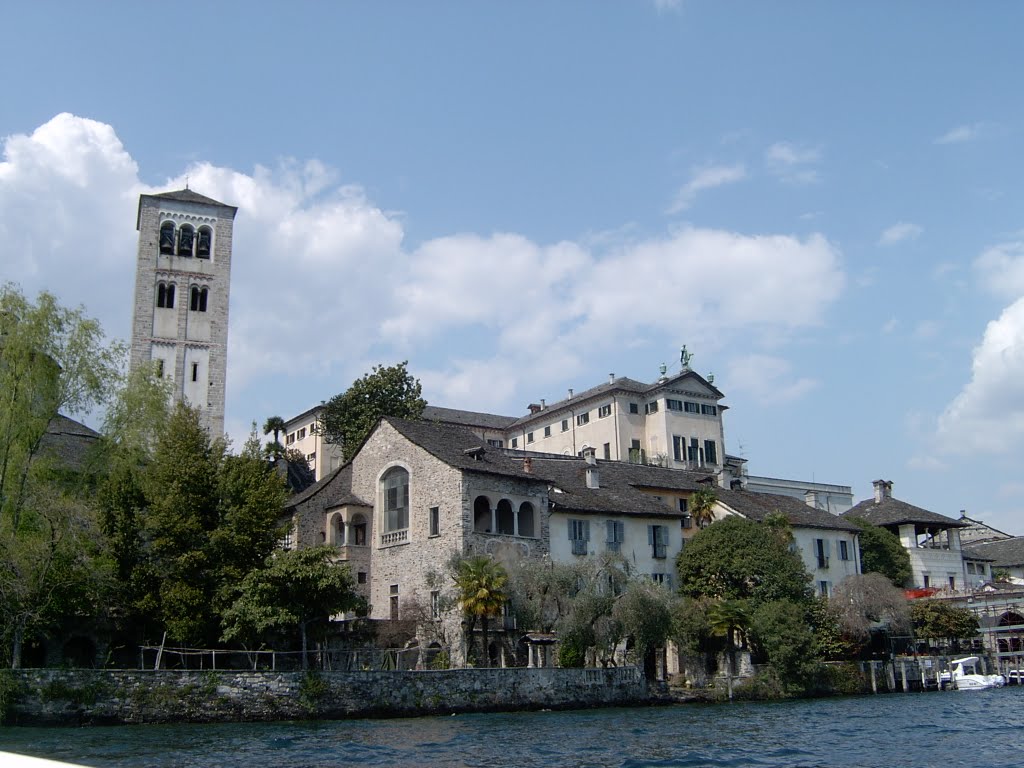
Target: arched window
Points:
(167, 237)
(165, 295)
(185, 236)
(526, 525)
(506, 517)
(395, 492)
(203, 242)
(357, 531)
(197, 299)
(482, 515)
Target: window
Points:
(710, 452)
(301, 434)
(547, 431)
(634, 408)
(636, 453)
(844, 550)
(615, 534)
(674, 405)
(159, 369)
(361, 577)
(709, 410)
(678, 448)
(496, 443)
(529, 437)
(579, 535)
(651, 408)
(197, 298)
(514, 442)
(313, 428)
(583, 418)
(821, 550)
(607, 451)
(195, 371)
(289, 438)
(657, 537)
(927, 581)
(165, 295)
(687, 522)
(286, 541)
(357, 531)
(396, 499)
(167, 238)
(604, 410)
(185, 237)
(691, 407)
(435, 521)
(823, 588)
(203, 243)
(525, 520)
(394, 602)
(693, 452)
(311, 458)
(435, 604)
(665, 579)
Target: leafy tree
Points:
(480, 581)
(297, 589)
(643, 613)
(782, 632)
(865, 601)
(275, 425)
(349, 418)
(881, 552)
(541, 593)
(729, 619)
(939, 619)
(702, 507)
(739, 559)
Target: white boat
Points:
(964, 676)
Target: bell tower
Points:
(182, 285)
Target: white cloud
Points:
(927, 464)
(961, 134)
(705, 178)
(1001, 269)
(767, 378)
(899, 232)
(793, 163)
(988, 414)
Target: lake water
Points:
(982, 728)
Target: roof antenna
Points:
(186, 182)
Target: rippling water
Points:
(982, 728)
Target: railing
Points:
(395, 537)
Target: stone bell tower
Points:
(182, 285)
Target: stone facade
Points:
(52, 696)
(182, 287)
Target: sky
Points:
(821, 200)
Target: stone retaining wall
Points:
(51, 696)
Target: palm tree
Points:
(702, 507)
(729, 618)
(274, 424)
(481, 581)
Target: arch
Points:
(197, 298)
(357, 530)
(394, 485)
(165, 295)
(186, 235)
(526, 525)
(204, 242)
(506, 517)
(336, 530)
(1011, 619)
(482, 514)
(167, 238)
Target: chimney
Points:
(611, 378)
(592, 474)
(528, 465)
(534, 408)
(883, 490)
(543, 405)
(570, 391)
(811, 499)
(591, 456)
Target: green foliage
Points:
(10, 689)
(348, 418)
(702, 507)
(541, 593)
(571, 652)
(845, 679)
(939, 619)
(441, 661)
(881, 552)
(312, 690)
(781, 631)
(480, 582)
(691, 626)
(739, 559)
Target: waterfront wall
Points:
(51, 696)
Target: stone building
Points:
(182, 287)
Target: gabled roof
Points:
(451, 444)
(466, 418)
(757, 506)
(890, 511)
(332, 490)
(1005, 553)
(191, 196)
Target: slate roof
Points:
(466, 418)
(191, 196)
(1005, 553)
(757, 506)
(69, 443)
(296, 475)
(892, 511)
(621, 384)
(332, 490)
(449, 443)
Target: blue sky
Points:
(821, 200)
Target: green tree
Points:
(297, 589)
(881, 552)
(349, 418)
(702, 507)
(643, 614)
(739, 559)
(275, 425)
(729, 619)
(940, 620)
(782, 631)
(480, 581)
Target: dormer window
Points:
(167, 237)
(203, 242)
(185, 237)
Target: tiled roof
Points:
(1005, 553)
(191, 196)
(466, 418)
(892, 511)
(450, 444)
(757, 506)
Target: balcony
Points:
(395, 537)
